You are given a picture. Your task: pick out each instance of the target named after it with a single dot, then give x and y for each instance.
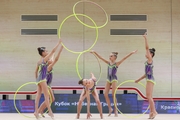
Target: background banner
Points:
(67, 103)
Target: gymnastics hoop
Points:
(128, 81)
(28, 83)
(77, 65)
(75, 15)
(60, 28)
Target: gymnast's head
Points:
(42, 51)
(152, 52)
(113, 56)
(84, 82)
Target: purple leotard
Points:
(42, 71)
(49, 77)
(111, 73)
(149, 72)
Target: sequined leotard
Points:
(111, 73)
(149, 72)
(42, 72)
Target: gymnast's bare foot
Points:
(116, 113)
(154, 115)
(36, 115)
(110, 111)
(51, 115)
(150, 115)
(101, 116)
(77, 117)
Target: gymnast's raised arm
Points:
(104, 60)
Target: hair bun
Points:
(115, 53)
(153, 49)
(39, 48)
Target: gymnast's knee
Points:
(53, 99)
(106, 95)
(148, 96)
(98, 101)
(80, 102)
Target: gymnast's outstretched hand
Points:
(60, 41)
(89, 115)
(133, 52)
(145, 34)
(92, 51)
(93, 77)
(136, 81)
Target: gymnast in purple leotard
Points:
(89, 88)
(111, 76)
(149, 77)
(42, 67)
(49, 77)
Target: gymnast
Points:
(41, 79)
(149, 77)
(49, 78)
(111, 76)
(89, 88)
